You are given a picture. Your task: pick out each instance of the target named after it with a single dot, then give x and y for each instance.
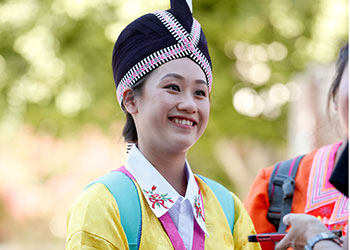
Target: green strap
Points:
(225, 199)
(125, 193)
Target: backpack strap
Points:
(129, 202)
(225, 199)
(281, 191)
(124, 191)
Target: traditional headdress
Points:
(157, 38)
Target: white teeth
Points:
(183, 122)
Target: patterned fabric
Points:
(162, 197)
(157, 38)
(186, 46)
(94, 223)
(157, 199)
(198, 206)
(167, 222)
(323, 200)
(316, 202)
(187, 41)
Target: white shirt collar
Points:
(160, 195)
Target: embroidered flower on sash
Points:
(198, 206)
(157, 199)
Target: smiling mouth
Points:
(183, 122)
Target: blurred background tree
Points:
(57, 91)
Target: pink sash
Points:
(170, 228)
(323, 200)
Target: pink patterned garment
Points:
(323, 200)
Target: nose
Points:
(187, 104)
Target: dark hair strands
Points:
(340, 67)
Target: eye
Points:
(173, 87)
(200, 93)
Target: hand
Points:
(303, 227)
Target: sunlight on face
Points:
(173, 110)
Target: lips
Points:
(183, 121)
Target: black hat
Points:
(157, 38)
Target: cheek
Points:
(343, 100)
(342, 110)
(205, 113)
(343, 103)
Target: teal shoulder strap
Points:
(225, 198)
(125, 193)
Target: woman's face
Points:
(173, 110)
(342, 101)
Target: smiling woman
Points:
(162, 72)
(182, 111)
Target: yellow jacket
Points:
(94, 223)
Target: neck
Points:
(169, 164)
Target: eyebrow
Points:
(180, 77)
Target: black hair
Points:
(129, 130)
(341, 64)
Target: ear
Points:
(129, 101)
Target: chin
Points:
(181, 145)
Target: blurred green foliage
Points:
(55, 61)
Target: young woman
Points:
(313, 194)
(314, 234)
(163, 77)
